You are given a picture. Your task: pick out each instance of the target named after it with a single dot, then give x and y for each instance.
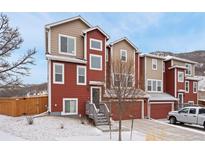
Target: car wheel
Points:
(181, 123)
(172, 120)
(204, 125)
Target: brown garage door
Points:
(160, 111)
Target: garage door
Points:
(160, 111)
(129, 108)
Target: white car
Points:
(190, 115)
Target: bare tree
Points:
(12, 70)
(122, 87)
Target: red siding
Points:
(160, 111)
(94, 75)
(68, 90)
(169, 81)
(190, 96)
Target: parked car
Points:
(189, 115)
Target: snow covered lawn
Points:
(48, 128)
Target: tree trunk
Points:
(120, 122)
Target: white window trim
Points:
(100, 41)
(96, 69)
(179, 72)
(91, 93)
(190, 69)
(153, 61)
(54, 77)
(196, 87)
(121, 51)
(63, 112)
(188, 86)
(156, 86)
(78, 83)
(59, 44)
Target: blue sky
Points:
(176, 32)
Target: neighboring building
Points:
(79, 70)
(180, 80)
(151, 75)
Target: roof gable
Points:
(98, 28)
(127, 40)
(68, 20)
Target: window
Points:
(159, 86)
(154, 64)
(67, 44)
(149, 85)
(95, 62)
(116, 80)
(180, 76)
(58, 73)
(125, 80)
(189, 69)
(187, 86)
(194, 87)
(96, 44)
(129, 81)
(81, 75)
(70, 106)
(202, 111)
(192, 111)
(154, 85)
(185, 111)
(123, 55)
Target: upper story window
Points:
(95, 62)
(180, 76)
(187, 86)
(154, 85)
(123, 55)
(189, 69)
(81, 75)
(58, 73)
(96, 44)
(123, 79)
(67, 44)
(154, 64)
(195, 87)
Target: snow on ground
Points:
(8, 137)
(48, 128)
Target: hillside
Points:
(28, 90)
(197, 56)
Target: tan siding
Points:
(125, 46)
(74, 29)
(154, 74)
(142, 72)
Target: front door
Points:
(96, 96)
(181, 99)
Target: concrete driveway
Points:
(159, 131)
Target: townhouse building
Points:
(152, 78)
(180, 80)
(80, 70)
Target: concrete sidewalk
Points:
(8, 137)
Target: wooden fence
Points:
(23, 105)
